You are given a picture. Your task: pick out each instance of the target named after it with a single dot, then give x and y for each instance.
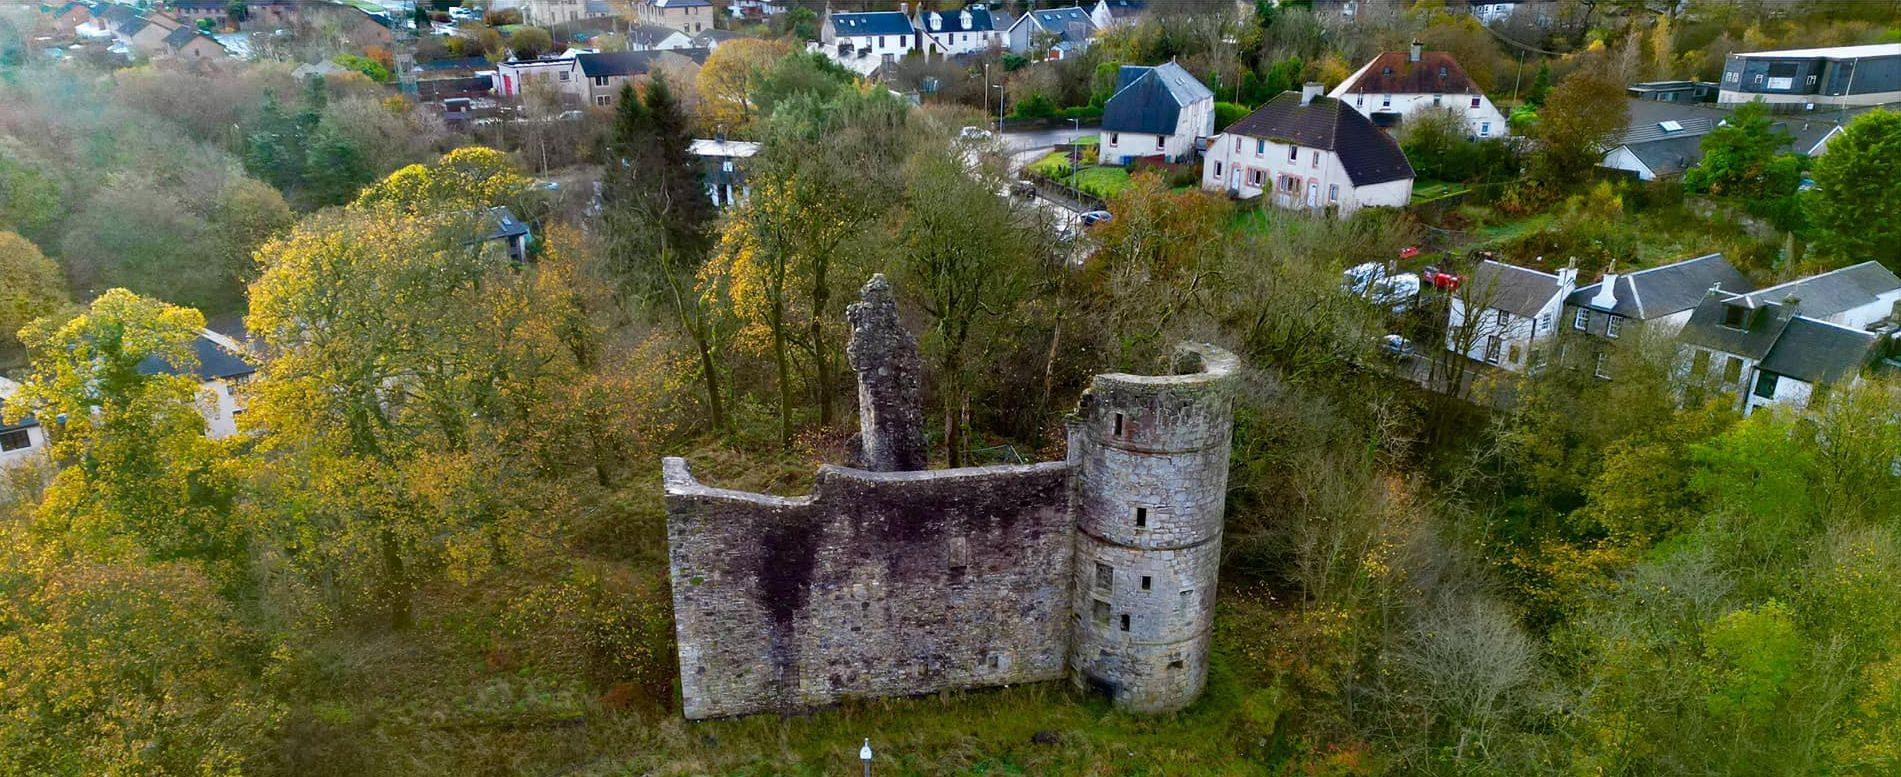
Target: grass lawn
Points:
(1426, 190)
(1104, 182)
(1054, 165)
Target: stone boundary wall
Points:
(875, 584)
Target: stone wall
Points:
(876, 584)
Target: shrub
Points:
(1228, 113)
(1036, 106)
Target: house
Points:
(970, 30)
(1842, 75)
(1398, 83)
(1673, 91)
(190, 44)
(605, 74)
(1507, 316)
(754, 10)
(1489, 11)
(1052, 33)
(1112, 13)
(544, 13)
(1155, 111)
(711, 39)
(865, 41)
(1657, 299)
(142, 36)
(688, 16)
(559, 72)
(512, 233)
(725, 168)
(1309, 151)
(1778, 345)
(67, 18)
(323, 69)
(1661, 139)
(20, 438)
(653, 37)
(224, 366)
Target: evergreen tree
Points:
(1540, 86)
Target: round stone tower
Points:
(1152, 479)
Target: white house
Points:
(20, 438)
(1398, 83)
(1112, 13)
(879, 36)
(725, 163)
(558, 72)
(1052, 33)
(1776, 345)
(1308, 151)
(970, 30)
(1155, 111)
(224, 366)
(689, 16)
(654, 37)
(1489, 11)
(1507, 316)
(1662, 139)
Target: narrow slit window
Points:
(1118, 424)
(1125, 621)
(1141, 517)
(1187, 600)
(1147, 582)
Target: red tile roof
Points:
(1391, 73)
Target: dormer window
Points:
(1736, 317)
(937, 21)
(1442, 71)
(1386, 71)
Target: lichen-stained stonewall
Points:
(1100, 567)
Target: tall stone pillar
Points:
(890, 397)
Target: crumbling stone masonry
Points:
(891, 581)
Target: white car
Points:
(1396, 292)
(974, 134)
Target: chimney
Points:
(1606, 297)
(904, 8)
(1567, 279)
(1309, 91)
(1418, 50)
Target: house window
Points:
(1290, 184)
(1493, 345)
(601, 100)
(1217, 168)
(1700, 362)
(1159, 140)
(1501, 319)
(881, 41)
(1485, 129)
(1333, 192)
(1293, 153)
(1141, 517)
(1475, 102)
(1582, 321)
(1736, 317)
(1435, 100)
(565, 75)
(1765, 384)
(600, 80)
(17, 439)
(1260, 147)
(1601, 369)
(1105, 577)
(1254, 178)
(1386, 101)
(1611, 323)
(1442, 71)
(1316, 162)
(1733, 370)
(1544, 323)
(1115, 138)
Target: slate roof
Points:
(1394, 73)
(649, 35)
(1125, 9)
(1151, 99)
(1669, 156)
(1819, 352)
(506, 225)
(1369, 155)
(631, 63)
(131, 27)
(1669, 151)
(873, 23)
(1672, 288)
(1520, 291)
(681, 3)
(462, 63)
(953, 21)
(1705, 328)
(1072, 23)
(214, 361)
(1833, 292)
(181, 36)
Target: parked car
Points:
(1360, 277)
(974, 134)
(1022, 188)
(1441, 279)
(1396, 293)
(1408, 252)
(1095, 217)
(1397, 347)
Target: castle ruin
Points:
(889, 579)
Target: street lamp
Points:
(1000, 94)
(864, 754)
(1076, 158)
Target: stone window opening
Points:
(1141, 517)
(1146, 582)
(1125, 621)
(1174, 660)
(1188, 597)
(959, 556)
(1105, 577)
(1102, 613)
(1118, 425)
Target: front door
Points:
(1313, 195)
